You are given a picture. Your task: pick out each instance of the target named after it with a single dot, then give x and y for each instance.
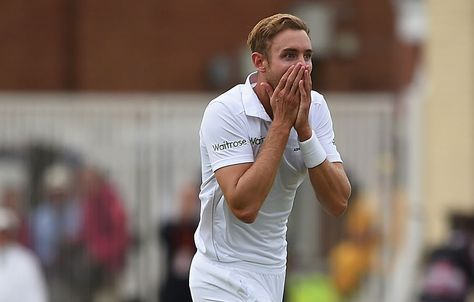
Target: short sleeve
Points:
(321, 123)
(224, 135)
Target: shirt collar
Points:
(252, 105)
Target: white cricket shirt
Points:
(233, 128)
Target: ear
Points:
(259, 61)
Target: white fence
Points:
(149, 146)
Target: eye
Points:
(289, 55)
(308, 57)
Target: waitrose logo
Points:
(256, 141)
(238, 143)
(229, 145)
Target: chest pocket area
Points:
(293, 159)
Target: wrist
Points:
(304, 133)
(312, 151)
(281, 127)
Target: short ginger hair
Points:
(259, 39)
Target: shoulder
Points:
(229, 101)
(24, 258)
(319, 112)
(317, 98)
(318, 103)
(227, 108)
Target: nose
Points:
(301, 59)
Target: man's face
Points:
(287, 48)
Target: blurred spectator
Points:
(449, 274)
(351, 260)
(178, 238)
(105, 235)
(55, 227)
(12, 198)
(21, 279)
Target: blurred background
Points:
(100, 106)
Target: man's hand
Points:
(285, 100)
(301, 125)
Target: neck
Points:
(262, 95)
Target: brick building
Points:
(148, 45)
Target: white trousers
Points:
(218, 282)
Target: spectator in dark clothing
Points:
(177, 237)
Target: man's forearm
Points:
(254, 185)
(331, 186)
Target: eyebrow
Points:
(296, 50)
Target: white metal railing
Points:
(149, 145)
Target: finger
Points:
(292, 77)
(284, 78)
(298, 97)
(304, 93)
(268, 89)
(302, 89)
(299, 77)
(308, 81)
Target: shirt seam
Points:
(212, 222)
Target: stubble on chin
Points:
(272, 80)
